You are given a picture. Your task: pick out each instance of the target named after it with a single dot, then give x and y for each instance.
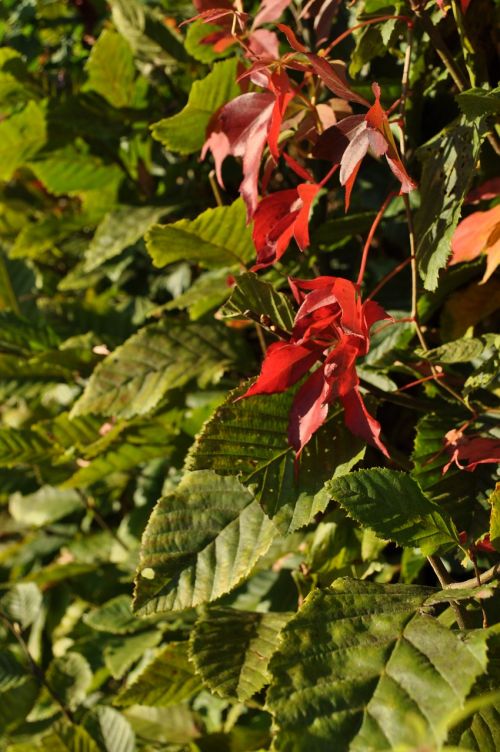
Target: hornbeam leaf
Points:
(118, 230)
(393, 505)
(185, 132)
(120, 653)
(69, 675)
(22, 603)
(136, 376)
(21, 136)
(111, 70)
(43, 506)
(68, 737)
(71, 171)
(168, 680)
(449, 164)
(201, 540)
(18, 691)
(216, 238)
(231, 649)
(116, 617)
(110, 729)
(360, 667)
(21, 447)
(252, 293)
(249, 437)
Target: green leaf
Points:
(185, 132)
(44, 506)
(22, 446)
(483, 732)
(120, 653)
(260, 298)
(218, 237)
(360, 667)
(69, 675)
(116, 617)
(119, 230)
(449, 164)
(207, 292)
(476, 103)
(111, 70)
(494, 501)
(205, 53)
(66, 737)
(70, 171)
(458, 351)
(231, 649)
(134, 445)
(110, 729)
(146, 32)
(22, 135)
(137, 375)
(22, 604)
(167, 680)
(249, 437)
(393, 506)
(201, 540)
(18, 692)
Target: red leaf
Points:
(280, 216)
(279, 84)
(479, 233)
(292, 39)
(263, 44)
(309, 410)
(283, 366)
(484, 192)
(468, 452)
(333, 77)
(240, 128)
(270, 10)
(359, 421)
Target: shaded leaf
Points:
(69, 675)
(449, 161)
(18, 691)
(22, 604)
(110, 729)
(476, 103)
(231, 649)
(168, 680)
(21, 136)
(253, 294)
(136, 376)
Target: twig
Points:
(215, 188)
(481, 579)
(37, 672)
(440, 46)
(445, 582)
(101, 521)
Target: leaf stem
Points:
(90, 506)
(369, 239)
(360, 25)
(445, 581)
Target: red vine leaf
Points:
(479, 233)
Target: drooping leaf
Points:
(254, 294)
(219, 237)
(136, 376)
(201, 541)
(231, 649)
(393, 506)
(22, 135)
(110, 730)
(249, 437)
(360, 667)
(168, 680)
(111, 70)
(449, 161)
(185, 132)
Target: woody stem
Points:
(369, 239)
